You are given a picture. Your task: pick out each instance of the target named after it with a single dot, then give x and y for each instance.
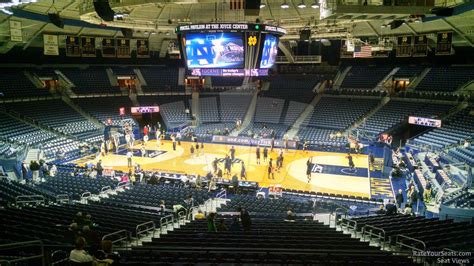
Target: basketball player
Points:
(257, 153)
(158, 137)
(232, 153)
(243, 172)
(351, 162)
(271, 174)
(265, 154)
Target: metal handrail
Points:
(400, 244)
(85, 197)
(165, 221)
(62, 198)
(105, 189)
(66, 257)
(380, 236)
(222, 194)
(29, 199)
(122, 184)
(118, 233)
(146, 229)
(23, 244)
(335, 215)
(190, 213)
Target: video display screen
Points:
(214, 50)
(269, 51)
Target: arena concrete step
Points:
(340, 77)
(307, 112)
(249, 115)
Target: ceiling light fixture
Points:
(302, 5)
(284, 5)
(315, 4)
(262, 5)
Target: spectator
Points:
(211, 222)
(24, 170)
(199, 215)
(53, 170)
(162, 207)
(106, 255)
(222, 227)
(99, 168)
(71, 234)
(381, 210)
(245, 219)
(235, 225)
(91, 237)
(35, 167)
(78, 254)
(290, 216)
(399, 198)
(391, 208)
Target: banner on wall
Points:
(420, 46)
(444, 43)
(50, 44)
(88, 47)
(404, 46)
(143, 49)
(108, 47)
(123, 48)
(16, 34)
(73, 46)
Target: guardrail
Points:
(335, 215)
(145, 228)
(222, 194)
(105, 190)
(121, 235)
(23, 199)
(22, 245)
(399, 243)
(369, 230)
(62, 198)
(190, 213)
(165, 221)
(85, 196)
(123, 185)
(61, 261)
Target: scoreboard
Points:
(229, 49)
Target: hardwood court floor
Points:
(336, 177)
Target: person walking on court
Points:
(227, 165)
(257, 153)
(173, 138)
(243, 172)
(214, 165)
(192, 151)
(351, 162)
(265, 154)
(272, 144)
(308, 169)
(271, 174)
(129, 158)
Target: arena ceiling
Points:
(156, 20)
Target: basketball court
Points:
(330, 171)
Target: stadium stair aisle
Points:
(270, 240)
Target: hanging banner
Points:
(123, 48)
(50, 44)
(420, 46)
(73, 46)
(444, 43)
(108, 48)
(143, 49)
(16, 34)
(404, 46)
(88, 47)
(344, 50)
